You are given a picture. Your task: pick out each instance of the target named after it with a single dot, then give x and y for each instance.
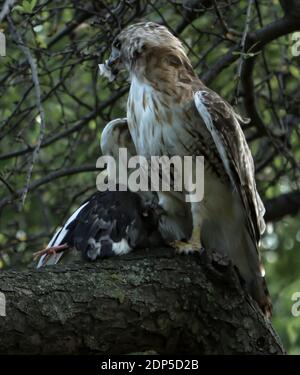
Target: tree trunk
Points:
(150, 300)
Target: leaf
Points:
(295, 72)
(19, 8)
(26, 6)
(33, 4)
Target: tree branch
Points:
(50, 177)
(256, 42)
(285, 204)
(6, 8)
(78, 125)
(147, 300)
(258, 39)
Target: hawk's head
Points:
(140, 44)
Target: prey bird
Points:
(109, 223)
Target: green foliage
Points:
(26, 7)
(281, 245)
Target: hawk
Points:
(171, 112)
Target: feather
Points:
(106, 71)
(58, 239)
(208, 121)
(223, 124)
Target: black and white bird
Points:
(108, 224)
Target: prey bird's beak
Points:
(106, 71)
(156, 208)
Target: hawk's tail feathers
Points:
(252, 271)
(259, 291)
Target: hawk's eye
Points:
(117, 44)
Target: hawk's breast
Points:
(160, 125)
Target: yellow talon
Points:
(191, 246)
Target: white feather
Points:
(121, 247)
(106, 71)
(57, 238)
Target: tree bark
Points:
(150, 300)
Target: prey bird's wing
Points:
(116, 135)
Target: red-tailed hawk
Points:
(171, 112)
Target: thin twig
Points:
(26, 51)
(51, 177)
(229, 32)
(7, 184)
(243, 49)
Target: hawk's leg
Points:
(192, 245)
(50, 251)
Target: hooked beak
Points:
(110, 68)
(112, 61)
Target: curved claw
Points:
(187, 248)
(50, 251)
